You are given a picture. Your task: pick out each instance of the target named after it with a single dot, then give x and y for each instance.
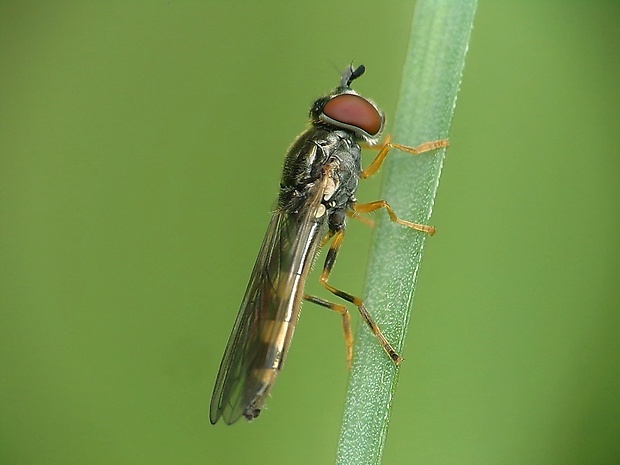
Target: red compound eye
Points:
(353, 110)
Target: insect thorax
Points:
(325, 156)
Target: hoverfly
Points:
(317, 191)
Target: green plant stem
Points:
(431, 77)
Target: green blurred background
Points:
(140, 150)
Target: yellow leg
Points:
(377, 204)
(387, 145)
(362, 219)
(346, 322)
(327, 268)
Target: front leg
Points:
(387, 145)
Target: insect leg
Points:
(327, 268)
(346, 322)
(326, 238)
(377, 204)
(362, 219)
(387, 145)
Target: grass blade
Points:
(431, 78)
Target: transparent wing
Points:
(269, 310)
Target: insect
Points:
(317, 192)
